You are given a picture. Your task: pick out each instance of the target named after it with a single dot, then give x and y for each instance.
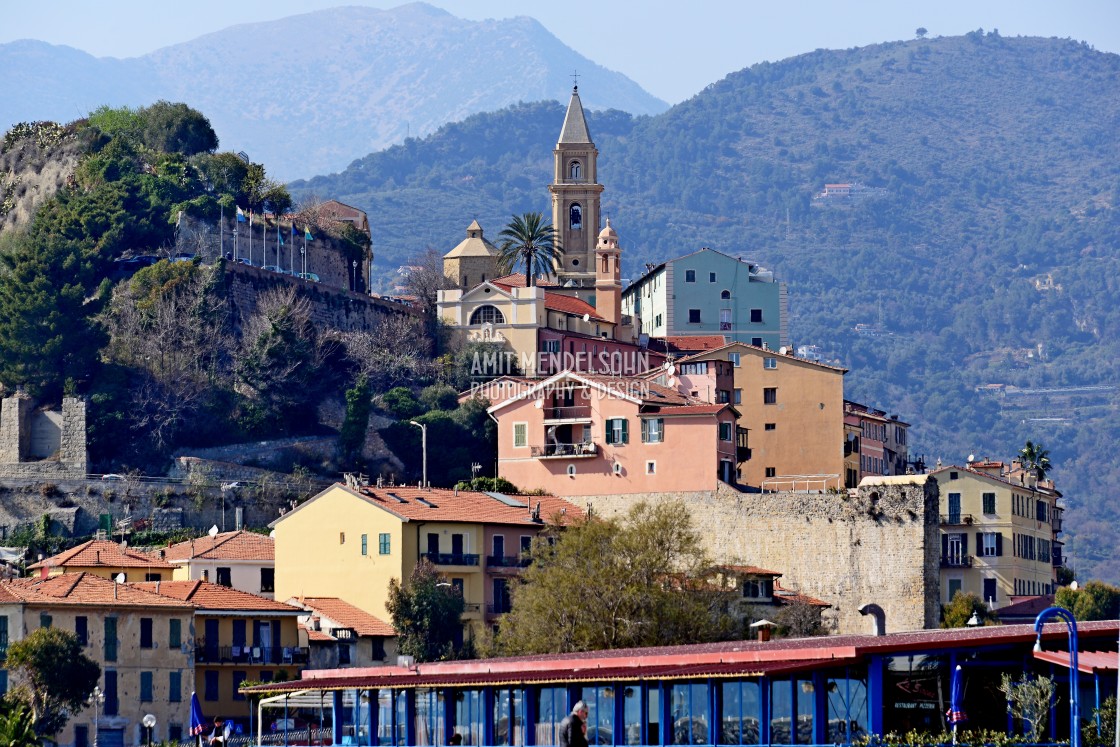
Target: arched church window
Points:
(725, 295)
(487, 315)
(576, 171)
(575, 217)
(606, 263)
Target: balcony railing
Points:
(956, 520)
(563, 451)
(506, 561)
(1056, 558)
(568, 412)
(498, 609)
(208, 654)
(956, 561)
(472, 608)
(452, 558)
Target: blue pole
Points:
(1071, 625)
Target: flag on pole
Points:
(240, 215)
(279, 236)
(198, 722)
(307, 234)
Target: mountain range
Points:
(306, 94)
(970, 288)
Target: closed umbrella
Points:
(198, 722)
(956, 712)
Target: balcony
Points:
(742, 445)
(506, 561)
(956, 520)
(205, 653)
(563, 451)
(956, 561)
(500, 608)
(1056, 558)
(452, 558)
(472, 608)
(567, 413)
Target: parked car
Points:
(184, 257)
(308, 276)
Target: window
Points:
(112, 702)
(571, 470)
(954, 588)
(756, 316)
(175, 686)
(725, 431)
(723, 396)
(954, 508)
(734, 358)
(770, 426)
(724, 319)
(343, 653)
(210, 685)
(238, 678)
(45, 620)
(365, 544)
(770, 395)
(153, 576)
(1040, 511)
(575, 170)
(771, 471)
(989, 501)
(989, 590)
(174, 733)
(725, 295)
(81, 735)
(694, 369)
(653, 430)
(770, 363)
(952, 475)
(175, 633)
(758, 588)
(694, 316)
(991, 544)
(550, 346)
(520, 435)
(738, 398)
(499, 546)
(651, 468)
(268, 579)
(110, 639)
(145, 632)
(487, 315)
(657, 321)
(757, 342)
(225, 577)
(690, 276)
(575, 217)
(383, 543)
(711, 277)
(145, 687)
(617, 431)
(81, 629)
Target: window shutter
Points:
(979, 543)
(964, 543)
(645, 431)
(625, 431)
(610, 432)
(944, 545)
(999, 543)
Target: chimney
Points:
(878, 617)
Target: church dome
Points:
(608, 232)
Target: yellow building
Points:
(106, 559)
(236, 636)
(348, 542)
(473, 261)
(140, 640)
(793, 409)
(999, 532)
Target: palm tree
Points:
(531, 240)
(1034, 457)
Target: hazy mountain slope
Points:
(985, 253)
(309, 93)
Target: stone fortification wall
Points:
(879, 545)
(332, 308)
(72, 460)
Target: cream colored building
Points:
(999, 532)
(473, 261)
(793, 410)
(241, 560)
(140, 640)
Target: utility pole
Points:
(424, 447)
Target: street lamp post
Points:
(149, 722)
(424, 448)
(96, 698)
(1071, 625)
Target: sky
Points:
(672, 49)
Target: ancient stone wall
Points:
(15, 440)
(877, 546)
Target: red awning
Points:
(1088, 662)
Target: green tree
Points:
(645, 581)
(960, 609)
(56, 676)
(921, 32)
(1035, 457)
(177, 128)
(401, 403)
(1095, 600)
(1107, 716)
(17, 725)
(1029, 700)
(426, 613)
(439, 397)
(532, 241)
(353, 432)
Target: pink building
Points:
(577, 434)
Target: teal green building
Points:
(711, 293)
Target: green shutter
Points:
(175, 633)
(110, 639)
(610, 431)
(645, 431)
(625, 431)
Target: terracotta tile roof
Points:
(552, 301)
(464, 506)
(705, 355)
(239, 545)
(682, 344)
(86, 589)
(209, 596)
(102, 554)
(318, 636)
(788, 596)
(346, 615)
(704, 409)
(754, 570)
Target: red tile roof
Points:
(102, 554)
(788, 596)
(209, 596)
(681, 344)
(86, 589)
(668, 409)
(464, 506)
(751, 569)
(346, 615)
(552, 301)
(517, 280)
(239, 545)
(318, 636)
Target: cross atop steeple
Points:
(575, 80)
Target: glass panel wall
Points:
(688, 704)
(740, 712)
(781, 711)
(846, 708)
(392, 715)
(470, 716)
(806, 695)
(509, 717)
(600, 713)
(429, 717)
(552, 707)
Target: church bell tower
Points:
(575, 202)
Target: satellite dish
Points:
(272, 534)
(587, 317)
(783, 350)
(213, 531)
(971, 458)
(539, 404)
(120, 578)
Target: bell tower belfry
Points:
(575, 201)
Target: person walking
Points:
(573, 729)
